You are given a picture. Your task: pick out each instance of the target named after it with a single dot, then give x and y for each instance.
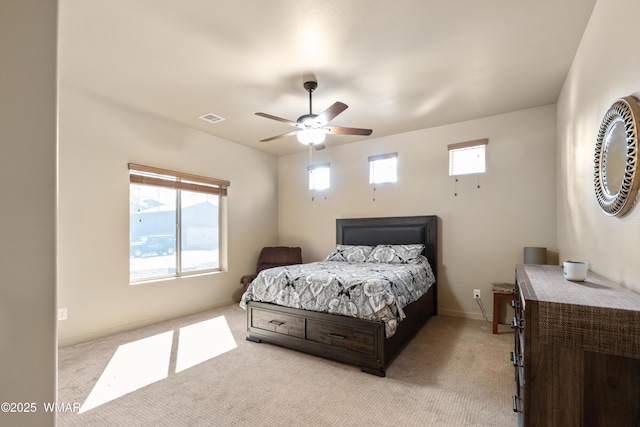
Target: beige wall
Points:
(28, 34)
(606, 67)
(98, 138)
(483, 230)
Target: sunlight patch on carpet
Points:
(133, 366)
(203, 341)
(142, 362)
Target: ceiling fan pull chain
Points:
(310, 169)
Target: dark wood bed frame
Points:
(346, 339)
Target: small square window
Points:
(383, 168)
(319, 176)
(467, 158)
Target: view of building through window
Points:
(172, 232)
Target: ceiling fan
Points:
(312, 128)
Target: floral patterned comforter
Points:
(367, 290)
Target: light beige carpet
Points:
(453, 373)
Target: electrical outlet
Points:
(62, 313)
(476, 293)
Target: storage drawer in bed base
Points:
(280, 323)
(344, 339)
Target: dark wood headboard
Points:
(392, 231)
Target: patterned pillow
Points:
(350, 253)
(395, 254)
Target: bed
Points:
(369, 338)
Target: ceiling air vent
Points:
(211, 118)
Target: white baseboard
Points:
(138, 324)
(459, 313)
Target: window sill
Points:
(172, 278)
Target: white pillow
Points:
(350, 253)
(395, 254)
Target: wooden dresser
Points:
(577, 350)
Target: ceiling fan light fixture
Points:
(311, 136)
(308, 120)
(313, 127)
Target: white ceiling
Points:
(400, 65)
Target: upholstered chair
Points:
(273, 256)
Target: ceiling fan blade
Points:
(279, 136)
(347, 131)
(280, 119)
(330, 113)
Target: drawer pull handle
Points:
(515, 403)
(514, 359)
(515, 323)
(336, 336)
(276, 322)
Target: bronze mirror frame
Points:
(618, 201)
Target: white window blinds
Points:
(319, 176)
(467, 157)
(383, 168)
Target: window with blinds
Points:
(383, 168)
(174, 223)
(467, 157)
(319, 176)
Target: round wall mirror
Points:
(615, 156)
(616, 183)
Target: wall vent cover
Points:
(211, 118)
